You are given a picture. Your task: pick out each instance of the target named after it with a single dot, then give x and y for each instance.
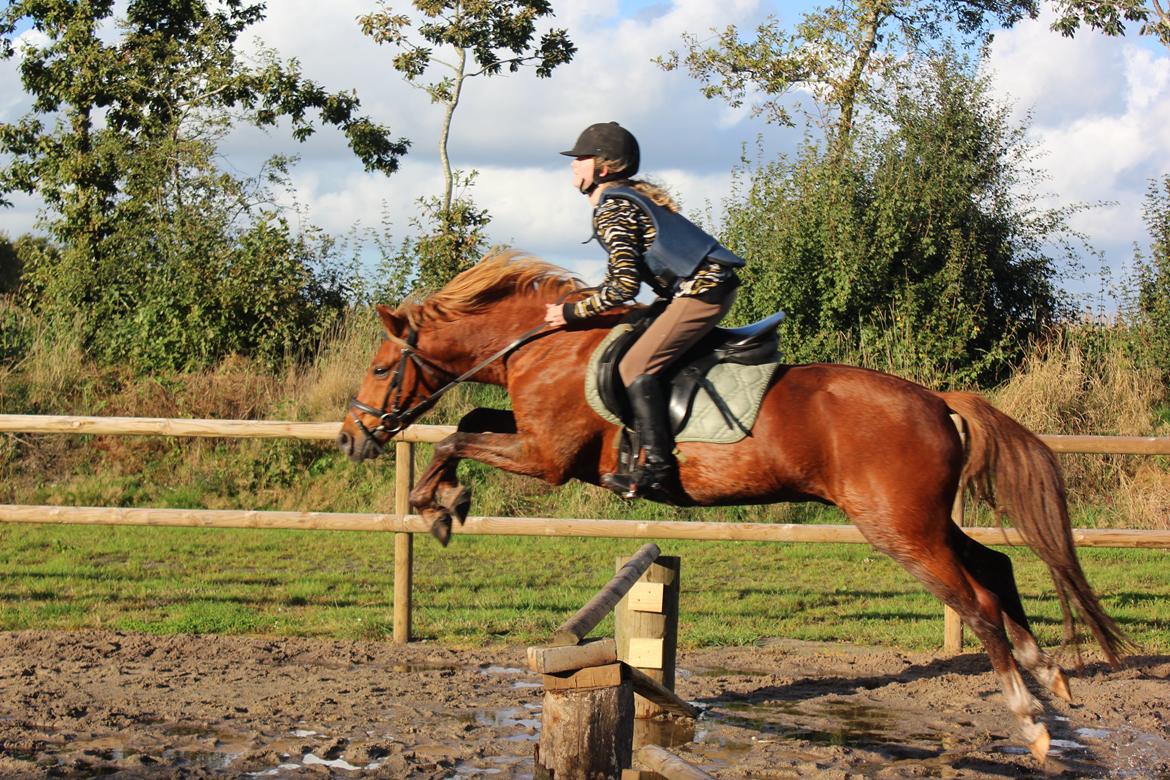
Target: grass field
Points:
(484, 590)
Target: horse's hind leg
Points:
(993, 570)
(932, 555)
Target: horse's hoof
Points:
(460, 505)
(1059, 686)
(441, 528)
(1040, 743)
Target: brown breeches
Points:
(682, 323)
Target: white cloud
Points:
(1100, 113)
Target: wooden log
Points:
(528, 526)
(403, 543)
(228, 429)
(668, 765)
(586, 732)
(575, 628)
(647, 639)
(594, 652)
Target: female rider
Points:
(639, 226)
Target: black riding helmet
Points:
(610, 141)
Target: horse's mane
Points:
(498, 275)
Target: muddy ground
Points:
(130, 706)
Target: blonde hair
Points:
(654, 192)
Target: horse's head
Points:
(396, 390)
(482, 310)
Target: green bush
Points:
(917, 241)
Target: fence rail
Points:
(528, 526)
(327, 431)
(404, 525)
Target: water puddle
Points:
(518, 767)
(524, 718)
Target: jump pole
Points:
(573, 630)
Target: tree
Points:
(1110, 17)
(121, 142)
(924, 243)
(1150, 300)
(496, 35)
(838, 52)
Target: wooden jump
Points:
(588, 712)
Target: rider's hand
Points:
(554, 314)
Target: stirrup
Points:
(625, 485)
(646, 480)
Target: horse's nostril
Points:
(345, 442)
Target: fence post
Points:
(403, 542)
(952, 624)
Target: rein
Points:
(394, 420)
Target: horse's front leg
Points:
(438, 495)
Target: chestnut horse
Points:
(881, 448)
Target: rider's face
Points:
(582, 172)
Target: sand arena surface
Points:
(86, 704)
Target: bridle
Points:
(396, 413)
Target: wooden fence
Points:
(404, 525)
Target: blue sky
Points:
(1100, 111)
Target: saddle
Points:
(751, 345)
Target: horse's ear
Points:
(393, 323)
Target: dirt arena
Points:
(76, 705)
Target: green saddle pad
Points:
(742, 389)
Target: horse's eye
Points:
(381, 371)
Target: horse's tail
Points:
(1012, 470)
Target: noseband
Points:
(396, 413)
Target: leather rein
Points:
(395, 414)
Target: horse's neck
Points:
(484, 335)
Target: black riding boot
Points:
(657, 472)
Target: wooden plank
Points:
(582, 679)
(230, 429)
(660, 695)
(575, 628)
(528, 526)
(645, 652)
(646, 596)
(668, 765)
(593, 652)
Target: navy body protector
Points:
(679, 246)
